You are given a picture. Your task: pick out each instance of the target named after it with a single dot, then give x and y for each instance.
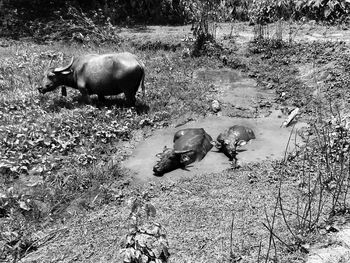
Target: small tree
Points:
(146, 240)
(263, 12)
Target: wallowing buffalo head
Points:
(56, 77)
(229, 147)
(171, 159)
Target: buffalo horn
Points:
(57, 70)
(181, 152)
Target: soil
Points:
(336, 251)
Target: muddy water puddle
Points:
(222, 76)
(233, 90)
(270, 143)
(238, 94)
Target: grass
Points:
(54, 127)
(197, 214)
(321, 165)
(55, 150)
(62, 198)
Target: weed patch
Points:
(276, 67)
(156, 45)
(56, 153)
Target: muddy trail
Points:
(242, 102)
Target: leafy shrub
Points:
(266, 11)
(151, 11)
(329, 10)
(146, 240)
(205, 15)
(76, 25)
(67, 25)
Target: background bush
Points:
(27, 17)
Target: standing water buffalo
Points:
(233, 138)
(190, 145)
(104, 75)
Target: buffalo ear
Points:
(182, 152)
(159, 155)
(184, 158)
(217, 144)
(241, 143)
(184, 155)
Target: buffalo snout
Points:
(157, 170)
(43, 89)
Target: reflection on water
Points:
(224, 76)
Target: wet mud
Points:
(234, 91)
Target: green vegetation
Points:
(35, 18)
(61, 183)
(55, 149)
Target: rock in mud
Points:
(215, 106)
(186, 52)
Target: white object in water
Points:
(290, 117)
(215, 106)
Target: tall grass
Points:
(322, 174)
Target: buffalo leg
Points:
(85, 96)
(234, 161)
(234, 164)
(64, 91)
(131, 100)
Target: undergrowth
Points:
(56, 152)
(276, 66)
(320, 167)
(59, 156)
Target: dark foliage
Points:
(39, 18)
(119, 11)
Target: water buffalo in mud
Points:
(104, 75)
(233, 138)
(190, 145)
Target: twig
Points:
(46, 239)
(283, 214)
(286, 150)
(231, 236)
(259, 252)
(273, 234)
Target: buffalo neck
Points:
(70, 80)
